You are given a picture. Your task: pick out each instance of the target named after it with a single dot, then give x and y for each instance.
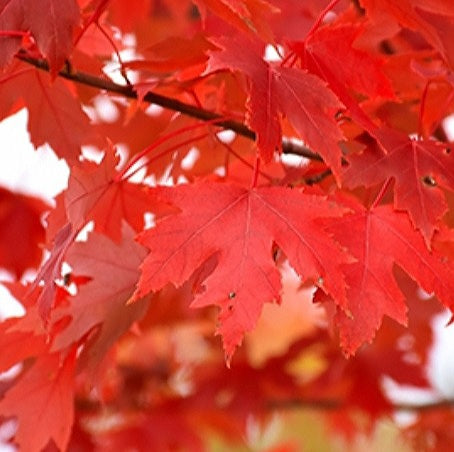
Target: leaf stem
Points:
(381, 193)
(422, 108)
(159, 141)
(92, 19)
(13, 33)
(116, 51)
(322, 15)
(166, 151)
(256, 172)
(241, 159)
(315, 179)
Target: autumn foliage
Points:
(256, 236)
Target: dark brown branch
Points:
(334, 404)
(90, 405)
(299, 404)
(288, 147)
(160, 372)
(312, 180)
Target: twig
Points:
(312, 180)
(288, 147)
(83, 404)
(335, 404)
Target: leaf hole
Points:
(67, 279)
(430, 181)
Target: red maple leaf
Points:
(419, 169)
(18, 345)
(96, 193)
(21, 337)
(249, 16)
(239, 226)
(173, 54)
(51, 23)
(356, 81)
(433, 20)
(51, 270)
(379, 238)
(329, 52)
(303, 98)
(55, 117)
(47, 409)
(114, 272)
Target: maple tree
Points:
(262, 234)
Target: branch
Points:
(90, 405)
(288, 147)
(335, 404)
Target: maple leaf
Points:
(48, 392)
(55, 117)
(226, 243)
(421, 308)
(173, 54)
(50, 270)
(295, 19)
(93, 193)
(21, 337)
(114, 272)
(126, 15)
(239, 227)
(96, 193)
(51, 23)
(379, 238)
(397, 351)
(419, 168)
(18, 345)
(329, 52)
(433, 20)
(303, 98)
(21, 231)
(250, 16)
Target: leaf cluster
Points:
(282, 166)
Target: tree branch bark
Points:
(288, 146)
(335, 404)
(90, 405)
